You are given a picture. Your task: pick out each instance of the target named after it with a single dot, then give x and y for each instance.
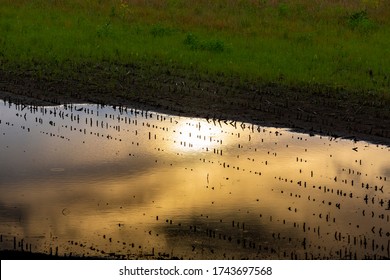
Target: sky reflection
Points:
(134, 183)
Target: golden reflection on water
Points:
(104, 181)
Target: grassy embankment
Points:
(340, 44)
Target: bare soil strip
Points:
(315, 110)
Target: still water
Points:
(105, 181)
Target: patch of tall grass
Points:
(312, 43)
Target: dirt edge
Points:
(314, 110)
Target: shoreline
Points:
(319, 110)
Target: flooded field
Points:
(105, 181)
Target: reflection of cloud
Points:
(385, 172)
(124, 176)
(12, 213)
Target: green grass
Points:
(296, 43)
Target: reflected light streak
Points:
(196, 135)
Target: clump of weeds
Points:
(212, 45)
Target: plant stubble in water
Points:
(117, 182)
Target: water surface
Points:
(93, 180)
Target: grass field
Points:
(339, 44)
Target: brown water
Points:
(103, 181)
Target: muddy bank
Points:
(316, 110)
